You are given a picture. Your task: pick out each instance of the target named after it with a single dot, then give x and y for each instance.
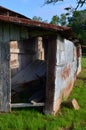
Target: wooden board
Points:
(5, 86)
(16, 105)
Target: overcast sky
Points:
(32, 8)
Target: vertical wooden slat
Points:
(50, 86)
(5, 77)
(0, 79)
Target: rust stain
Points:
(29, 22)
(66, 72)
(57, 103)
(75, 74)
(68, 89)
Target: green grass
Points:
(66, 119)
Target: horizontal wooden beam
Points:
(17, 105)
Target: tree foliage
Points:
(80, 3)
(55, 20)
(78, 24)
(63, 20)
(59, 20)
(52, 1)
(37, 18)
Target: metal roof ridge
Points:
(33, 23)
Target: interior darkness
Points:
(28, 62)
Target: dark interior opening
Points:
(28, 62)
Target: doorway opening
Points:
(28, 63)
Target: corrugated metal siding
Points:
(12, 32)
(66, 68)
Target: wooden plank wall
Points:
(8, 33)
(5, 77)
(23, 51)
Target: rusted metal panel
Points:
(64, 72)
(68, 89)
(33, 23)
(65, 31)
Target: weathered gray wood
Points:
(16, 105)
(50, 83)
(5, 95)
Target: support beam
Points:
(50, 85)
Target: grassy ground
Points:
(67, 119)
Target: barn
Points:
(39, 63)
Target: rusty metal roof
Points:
(8, 12)
(24, 21)
(28, 22)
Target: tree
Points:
(79, 3)
(62, 20)
(55, 20)
(37, 18)
(78, 21)
(78, 24)
(59, 20)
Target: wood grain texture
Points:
(5, 77)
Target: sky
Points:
(37, 8)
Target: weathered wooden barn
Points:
(36, 54)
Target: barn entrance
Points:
(28, 63)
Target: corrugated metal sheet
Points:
(30, 73)
(33, 23)
(5, 11)
(65, 72)
(13, 17)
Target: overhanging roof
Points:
(23, 21)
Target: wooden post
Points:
(50, 85)
(5, 83)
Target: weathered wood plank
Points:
(50, 83)
(5, 77)
(19, 105)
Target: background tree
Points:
(78, 24)
(62, 20)
(79, 3)
(55, 20)
(37, 18)
(59, 20)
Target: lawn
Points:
(66, 119)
